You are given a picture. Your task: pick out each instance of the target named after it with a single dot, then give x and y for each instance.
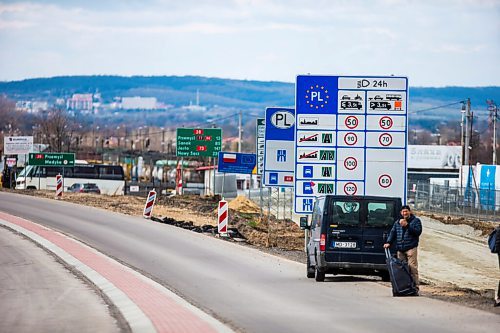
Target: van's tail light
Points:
(322, 242)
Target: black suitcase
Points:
(401, 280)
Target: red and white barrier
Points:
(223, 215)
(59, 186)
(178, 180)
(148, 208)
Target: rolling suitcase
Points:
(401, 280)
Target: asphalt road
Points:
(249, 290)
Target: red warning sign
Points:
(350, 138)
(351, 122)
(385, 181)
(386, 122)
(350, 188)
(385, 139)
(350, 163)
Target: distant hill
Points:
(177, 91)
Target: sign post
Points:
(351, 137)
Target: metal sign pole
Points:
(261, 199)
(223, 181)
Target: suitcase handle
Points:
(387, 253)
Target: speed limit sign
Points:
(385, 139)
(351, 122)
(350, 188)
(350, 139)
(350, 163)
(385, 181)
(386, 122)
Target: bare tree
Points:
(57, 130)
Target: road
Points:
(243, 287)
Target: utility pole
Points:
(240, 130)
(468, 131)
(492, 107)
(462, 131)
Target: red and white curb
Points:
(146, 305)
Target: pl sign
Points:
(350, 137)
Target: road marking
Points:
(145, 304)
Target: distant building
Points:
(80, 102)
(31, 106)
(139, 103)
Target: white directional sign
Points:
(351, 137)
(279, 157)
(18, 145)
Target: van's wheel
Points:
(320, 276)
(310, 269)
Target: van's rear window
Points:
(380, 213)
(345, 213)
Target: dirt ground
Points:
(454, 259)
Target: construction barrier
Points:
(223, 215)
(59, 186)
(148, 208)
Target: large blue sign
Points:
(236, 162)
(350, 137)
(279, 157)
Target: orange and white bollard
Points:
(150, 202)
(223, 215)
(59, 186)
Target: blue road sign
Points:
(350, 136)
(236, 162)
(279, 157)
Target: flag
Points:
(229, 158)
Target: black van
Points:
(347, 234)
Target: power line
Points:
(437, 107)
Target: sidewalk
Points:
(37, 294)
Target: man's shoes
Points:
(497, 304)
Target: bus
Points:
(109, 178)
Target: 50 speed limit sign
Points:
(351, 122)
(386, 122)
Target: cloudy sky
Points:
(434, 42)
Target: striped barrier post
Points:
(148, 208)
(223, 217)
(59, 186)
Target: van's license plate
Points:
(344, 245)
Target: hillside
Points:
(178, 91)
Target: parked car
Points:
(347, 233)
(84, 188)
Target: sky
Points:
(434, 42)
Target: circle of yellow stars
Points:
(321, 88)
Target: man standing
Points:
(406, 233)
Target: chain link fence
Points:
(482, 204)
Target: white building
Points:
(139, 103)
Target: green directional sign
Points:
(196, 142)
(52, 159)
